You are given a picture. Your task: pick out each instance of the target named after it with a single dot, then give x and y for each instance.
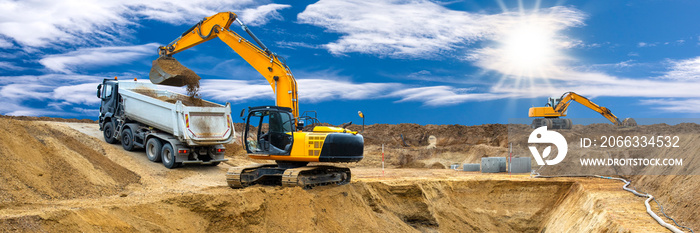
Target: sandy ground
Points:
(56, 178)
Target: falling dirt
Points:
(95, 186)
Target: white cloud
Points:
(644, 44)
(687, 70)
(443, 95)
(77, 94)
(59, 94)
(42, 23)
(310, 90)
(25, 91)
(235, 90)
(675, 105)
(10, 66)
(5, 44)
(101, 56)
(318, 90)
(409, 29)
(262, 14)
(394, 28)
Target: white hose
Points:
(646, 203)
(659, 220)
(627, 183)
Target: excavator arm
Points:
(265, 62)
(554, 110)
(568, 97)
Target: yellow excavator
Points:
(557, 107)
(271, 132)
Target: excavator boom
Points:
(265, 62)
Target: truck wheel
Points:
(168, 155)
(153, 149)
(127, 139)
(108, 133)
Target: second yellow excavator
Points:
(271, 132)
(557, 107)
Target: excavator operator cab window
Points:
(269, 132)
(552, 102)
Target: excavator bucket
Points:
(629, 122)
(168, 71)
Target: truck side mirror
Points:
(242, 113)
(99, 91)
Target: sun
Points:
(529, 47)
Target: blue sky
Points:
(425, 62)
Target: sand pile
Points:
(40, 162)
(186, 100)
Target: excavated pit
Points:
(74, 182)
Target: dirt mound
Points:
(40, 162)
(32, 118)
(409, 135)
(472, 204)
(186, 100)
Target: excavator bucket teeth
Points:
(629, 122)
(168, 71)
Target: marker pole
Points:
(382, 159)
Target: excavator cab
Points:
(553, 102)
(269, 130)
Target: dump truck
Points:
(173, 128)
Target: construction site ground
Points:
(62, 176)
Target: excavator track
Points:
(234, 174)
(312, 176)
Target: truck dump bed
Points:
(206, 124)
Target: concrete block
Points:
(520, 165)
(501, 164)
(471, 167)
(490, 165)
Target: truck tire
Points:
(153, 149)
(127, 139)
(168, 156)
(108, 133)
